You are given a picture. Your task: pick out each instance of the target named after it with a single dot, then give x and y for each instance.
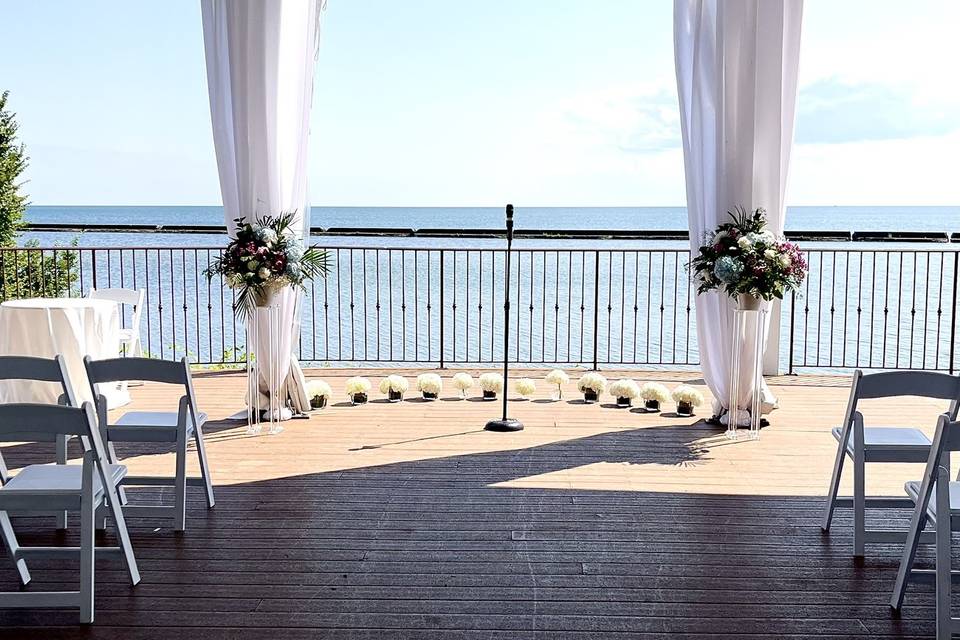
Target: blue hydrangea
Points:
(293, 270)
(294, 251)
(727, 269)
(266, 235)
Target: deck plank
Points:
(409, 521)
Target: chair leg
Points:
(10, 542)
(62, 459)
(917, 523)
(859, 504)
(87, 554)
(944, 568)
(121, 524)
(180, 484)
(834, 487)
(204, 467)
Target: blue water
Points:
(798, 218)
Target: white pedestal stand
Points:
(269, 316)
(745, 322)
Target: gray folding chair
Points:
(31, 369)
(40, 488)
(155, 426)
(937, 504)
(882, 444)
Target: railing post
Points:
(953, 312)
(442, 308)
(596, 306)
(93, 265)
(793, 318)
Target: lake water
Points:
(624, 302)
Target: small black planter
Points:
(395, 396)
(623, 402)
(489, 395)
(684, 409)
(429, 396)
(590, 396)
(359, 398)
(651, 406)
(318, 402)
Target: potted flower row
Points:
(653, 394)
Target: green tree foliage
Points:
(25, 272)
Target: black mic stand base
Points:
(508, 424)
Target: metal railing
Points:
(876, 309)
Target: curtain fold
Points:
(260, 59)
(736, 65)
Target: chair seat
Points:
(155, 419)
(64, 479)
(913, 490)
(891, 440)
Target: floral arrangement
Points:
(526, 387)
(430, 385)
(591, 385)
(463, 382)
(686, 398)
(557, 377)
(319, 393)
(492, 384)
(264, 257)
(654, 391)
(654, 394)
(743, 257)
(592, 382)
(357, 389)
(394, 387)
(625, 388)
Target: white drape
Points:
(260, 61)
(736, 63)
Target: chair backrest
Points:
(145, 369)
(893, 384)
(29, 422)
(132, 297)
(40, 370)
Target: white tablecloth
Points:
(72, 327)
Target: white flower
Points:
(526, 387)
(654, 391)
(395, 383)
(769, 254)
(592, 381)
(625, 388)
(686, 393)
(264, 273)
(463, 381)
(744, 242)
(429, 383)
(784, 260)
(491, 382)
(357, 385)
(318, 389)
(557, 377)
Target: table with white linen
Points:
(71, 327)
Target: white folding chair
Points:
(155, 426)
(882, 444)
(129, 336)
(40, 488)
(31, 369)
(937, 504)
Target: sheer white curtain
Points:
(260, 61)
(736, 63)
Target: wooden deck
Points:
(408, 520)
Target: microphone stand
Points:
(505, 423)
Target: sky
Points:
(455, 103)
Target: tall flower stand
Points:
(748, 319)
(264, 368)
